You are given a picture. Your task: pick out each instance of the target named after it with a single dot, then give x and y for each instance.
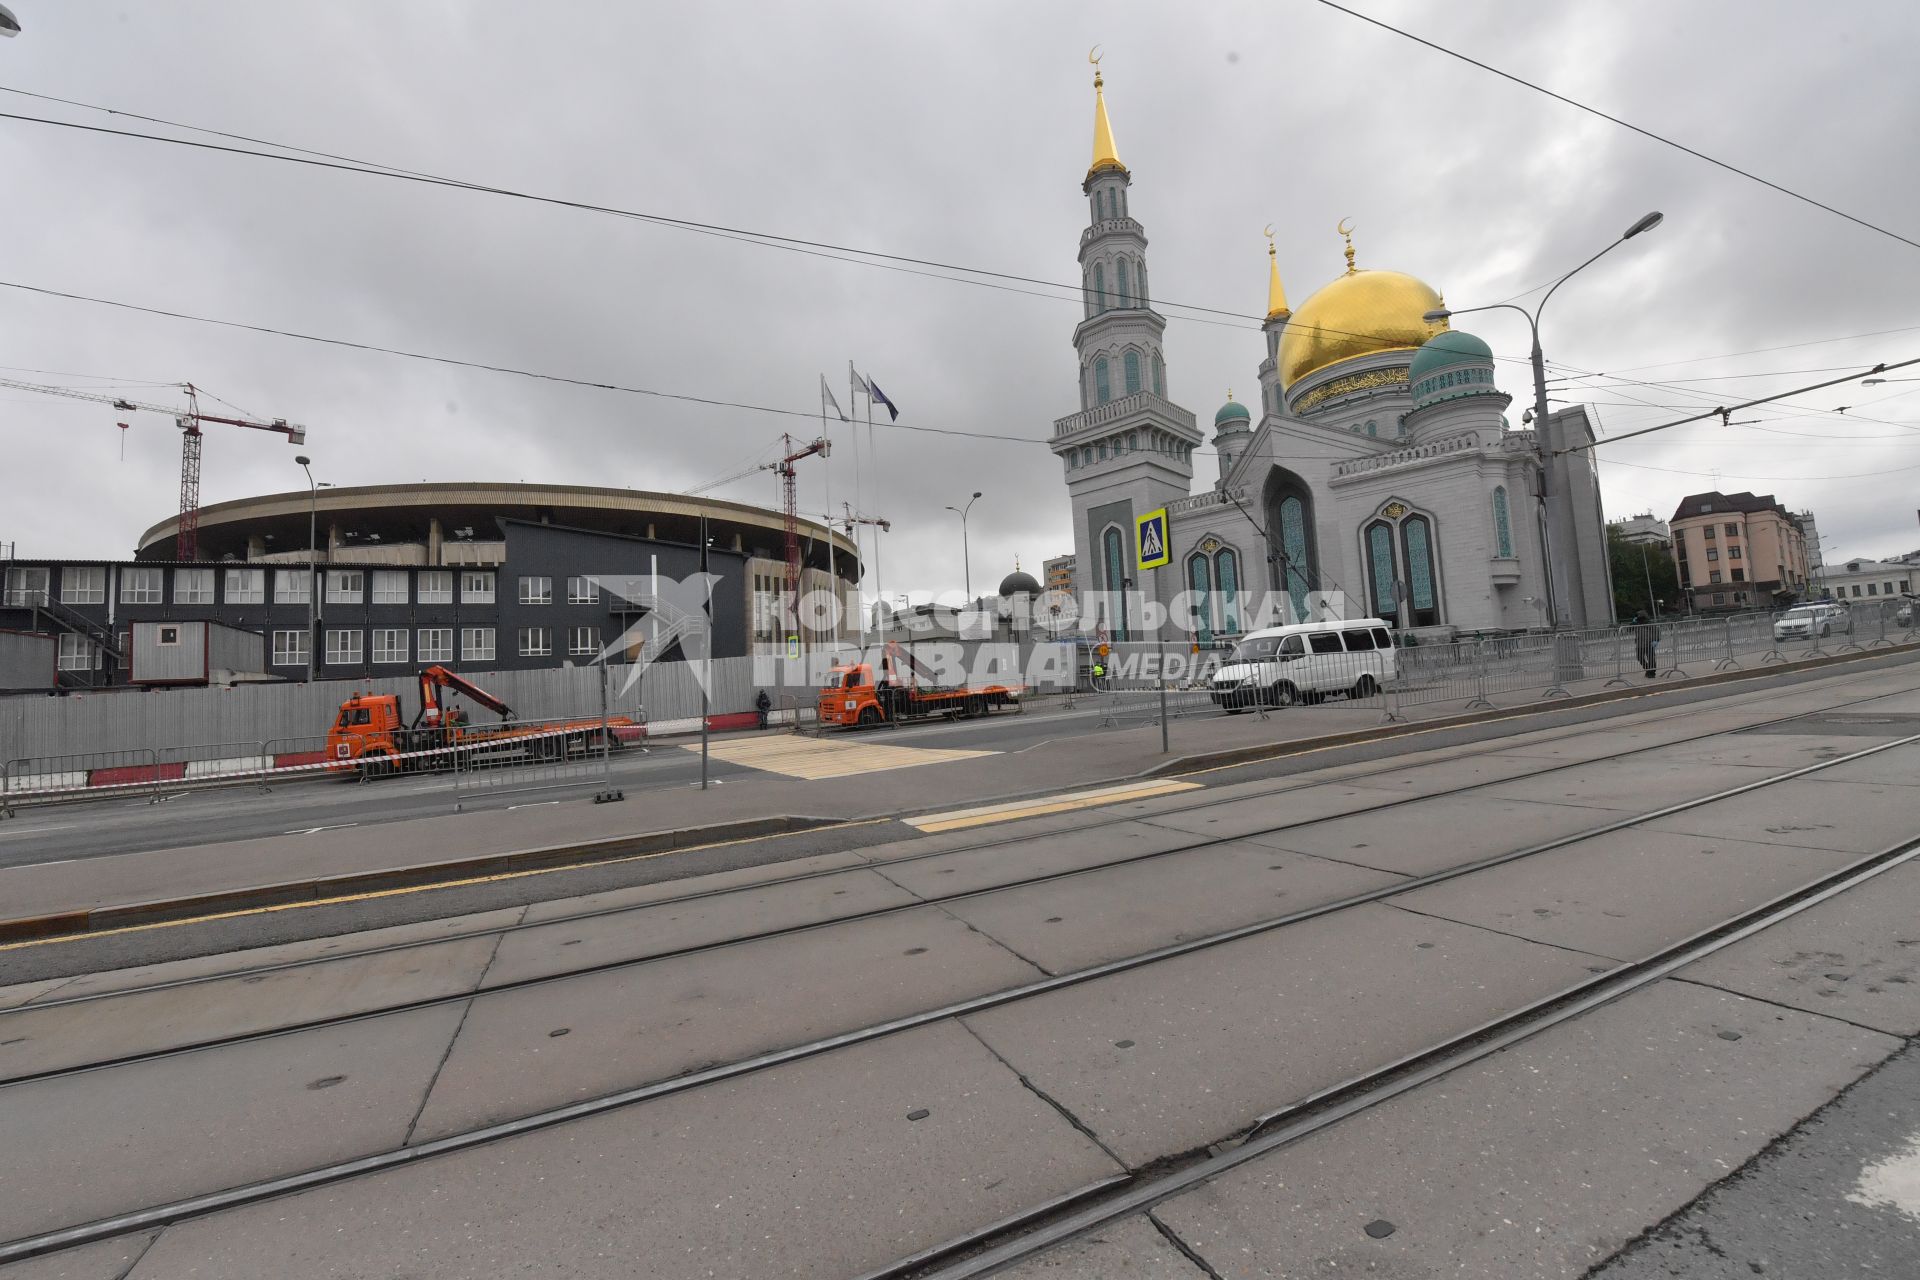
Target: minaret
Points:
(1129, 450)
(1278, 313)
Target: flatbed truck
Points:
(370, 736)
(857, 695)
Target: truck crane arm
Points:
(436, 678)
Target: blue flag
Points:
(873, 389)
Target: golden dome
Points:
(1360, 314)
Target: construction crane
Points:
(850, 521)
(187, 541)
(790, 503)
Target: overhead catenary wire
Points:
(1067, 292)
(1662, 139)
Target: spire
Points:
(1104, 154)
(1276, 296)
(1346, 232)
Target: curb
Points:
(98, 919)
(1299, 746)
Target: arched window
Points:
(1373, 429)
(1086, 456)
(1226, 577)
(1159, 375)
(1502, 523)
(1099, 287)
(1103, 451)
(1102, 388)
(1380, 567)
(1131, 362)
(1133, 441)
(1416, 537)
(1199, 581)
(1113, 556)
(1120, 277)
(1296, 564)
(1141, 292)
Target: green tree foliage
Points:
(1633, 564)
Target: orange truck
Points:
(854, 696)
(371, 737)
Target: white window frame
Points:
(583, 641)
(77, 653)
(21, 593)
(536, 589)
(434, 586)
(476, 644)
(583, 591)
(435, 644)
(143, 586)
(246, 586)
(346, 586)
(292, 586)
(389, 586)
(290, 648)
(193, 586)
(345, 645)
(476, 586)
(389, 646)
(536, 642)
(83, 584)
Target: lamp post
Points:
(1874, 382)
(966, 556)
(313, 572)
(1550, 499)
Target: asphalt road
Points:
(310, 807)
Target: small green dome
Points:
(1231, 411)
(1444, 350)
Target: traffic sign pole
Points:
(1160, 636)
(1153, 541)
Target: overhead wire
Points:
(1662, 139)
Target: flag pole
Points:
(826, 479)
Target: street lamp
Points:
(313, 573)
(1874, 382)
(966, 556)
(9, 25)
(1550, 499)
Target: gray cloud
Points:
(949, 132)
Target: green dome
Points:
(1444, 350)
(1231, 411)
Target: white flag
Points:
(826, 398)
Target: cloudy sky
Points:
(947, 132)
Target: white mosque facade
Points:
(1377, 476)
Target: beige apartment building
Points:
(1738, 551)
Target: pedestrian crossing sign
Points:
(1152, 534)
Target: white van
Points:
(1280, 666)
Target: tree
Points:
(1634, 563)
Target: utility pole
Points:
(966, 555)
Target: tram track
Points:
(1105, 819)
(920, 902)
(408, 1154)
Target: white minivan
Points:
(1280, 666)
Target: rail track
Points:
(1114, 1198)
(920, 902)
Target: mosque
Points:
(1379, 475)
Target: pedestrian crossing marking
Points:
(796, 756)
(958, 819)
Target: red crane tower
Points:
(187, 541)
(790, 503)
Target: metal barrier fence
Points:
(538, 755)
(1472, 672)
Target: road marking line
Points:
(314, 831)
(812, 758)
(425, 888)
(959, 819)
(532, 804)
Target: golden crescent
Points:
(1093, 55)
(1345, 228)
(1268, 232)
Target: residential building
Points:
(1057, 573)
(1810, 529)
(1738, 551)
